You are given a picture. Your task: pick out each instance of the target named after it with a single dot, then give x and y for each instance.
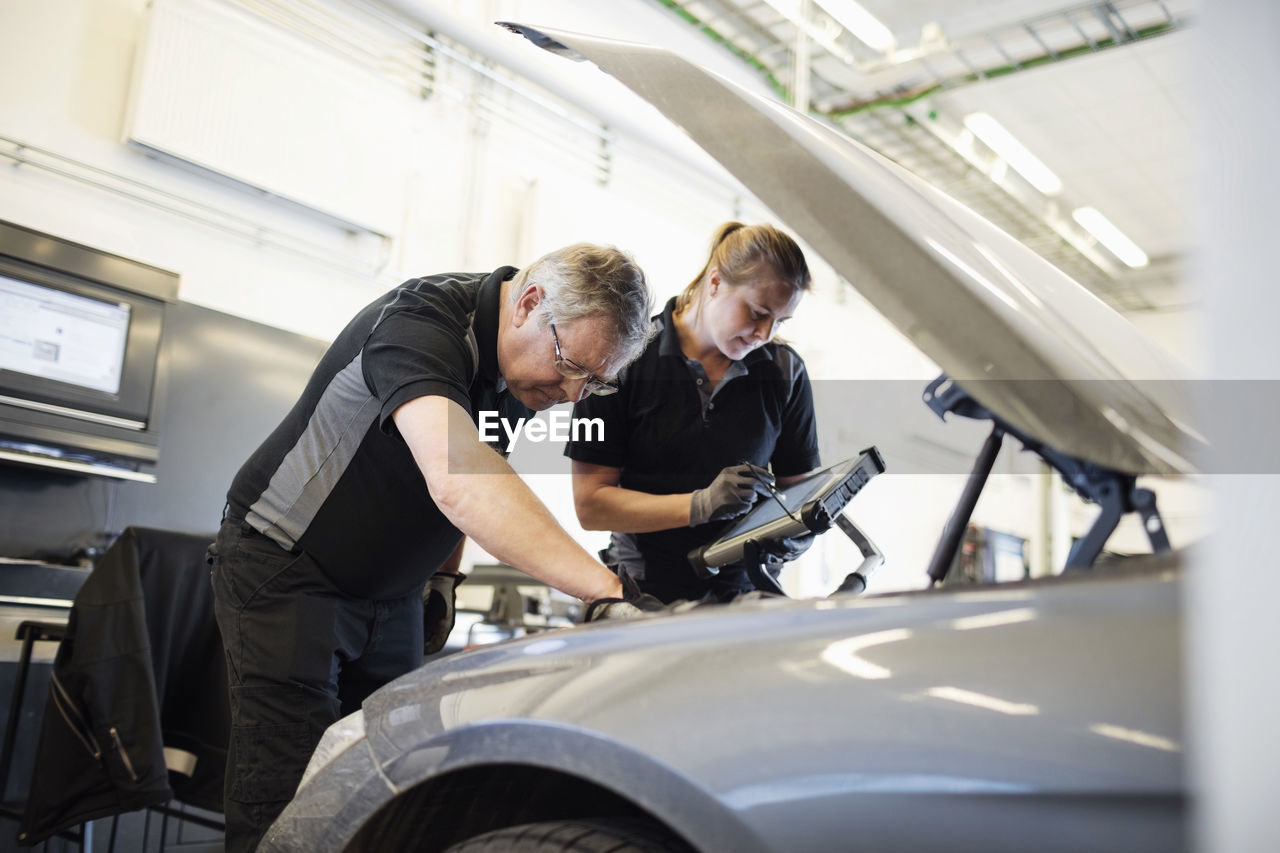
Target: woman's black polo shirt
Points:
(669, 435)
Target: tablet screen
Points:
(767, 509)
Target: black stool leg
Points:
(28, 632)
(15, 706)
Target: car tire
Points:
(614, 835)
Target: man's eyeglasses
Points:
(570, 370)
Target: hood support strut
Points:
(1115, 492)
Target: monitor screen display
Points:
(62, 336)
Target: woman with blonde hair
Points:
(712, 394)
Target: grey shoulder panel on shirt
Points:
(309, 471)
(789, 362)
(473, 344)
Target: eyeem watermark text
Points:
(559, 426)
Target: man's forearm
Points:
(499, 511)
(484, 498)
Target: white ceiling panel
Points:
(1110, 126)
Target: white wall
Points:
(66, 70)
(485, 187)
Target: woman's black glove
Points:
(790, 548)
(730, 494)
(439, 600)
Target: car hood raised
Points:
(1024, 339)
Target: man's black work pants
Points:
(300, 655)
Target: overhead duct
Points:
(613, 105)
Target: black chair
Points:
(137, 715)
(29, 633)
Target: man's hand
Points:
(439, 600)
(632, 604)
(730, 494)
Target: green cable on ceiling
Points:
(904, 100)
(718, 37)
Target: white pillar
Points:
(1039, 545)
(1060, 499)
(1233, 633)
(800, 70)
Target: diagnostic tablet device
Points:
(808, 506)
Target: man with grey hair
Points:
(361, 497)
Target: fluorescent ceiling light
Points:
(1013, 152)
(790, 9)
(1110, 236)
(860, 22)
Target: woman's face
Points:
(742, 317)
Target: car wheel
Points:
(615, 835)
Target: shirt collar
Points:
(485, 324)
(669, 338)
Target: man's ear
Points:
(526, 303)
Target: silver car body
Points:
(1045, 712)
(1040, 714)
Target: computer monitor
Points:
(80, 362)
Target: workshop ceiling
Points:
(1101, 93)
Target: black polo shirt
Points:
(335, 478)
(670, 433)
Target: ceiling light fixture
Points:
(1110, 236)
(790, 9)
(1013, 152)
(857, 20)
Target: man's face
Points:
(527, 356)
